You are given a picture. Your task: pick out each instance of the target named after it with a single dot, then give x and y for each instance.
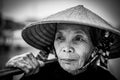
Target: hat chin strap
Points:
(92, 60)
(94, 57)
(101, 51)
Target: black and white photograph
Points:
(59, 40)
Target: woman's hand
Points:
(26, 62)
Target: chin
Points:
(71, 67)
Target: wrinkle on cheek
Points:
(83, 51)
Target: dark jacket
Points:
(53, 71)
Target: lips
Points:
(68, 60)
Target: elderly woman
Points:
(81, 41)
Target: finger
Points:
(22, 66)
(10, 64)
(41, 57)
(28, 68)
(36, 71)
(28, 61)
(25, 63)
(41, 63)
(25, 66)
(34, 60)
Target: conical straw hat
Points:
(41, 34)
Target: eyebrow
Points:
(79, 31)
(58, 32)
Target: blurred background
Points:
(16, 14)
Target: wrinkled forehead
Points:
(73, 27)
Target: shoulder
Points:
(45, 72)
(104, 74)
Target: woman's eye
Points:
(60, 38)
(78, 38)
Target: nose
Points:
(68, 50)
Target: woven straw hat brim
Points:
(39, 37)
(41, 34)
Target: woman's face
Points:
(73, 46)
